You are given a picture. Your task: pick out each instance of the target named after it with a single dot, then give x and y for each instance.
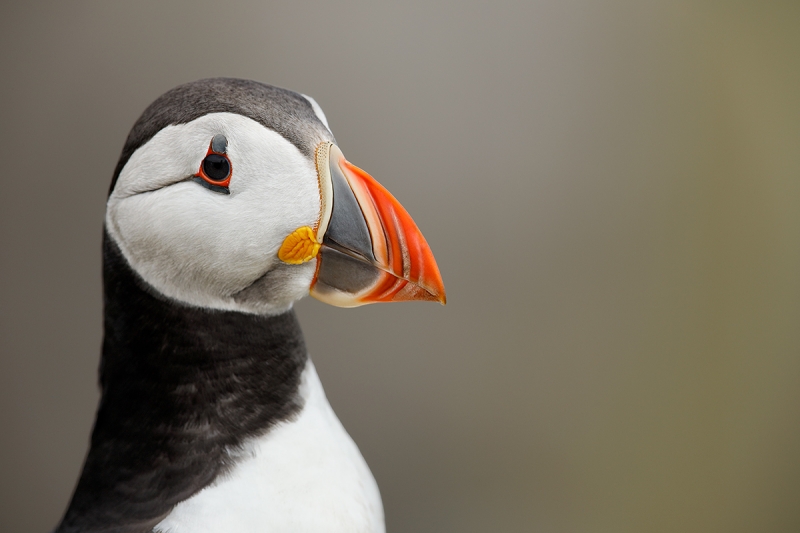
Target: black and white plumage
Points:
(212, 417)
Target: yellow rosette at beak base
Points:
(299, 247)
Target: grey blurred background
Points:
(611, 189)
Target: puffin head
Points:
(233, 195)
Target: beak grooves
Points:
(395, 241)
(372, 251)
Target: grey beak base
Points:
(347, 262)
(347, 227)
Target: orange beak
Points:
(371, 250)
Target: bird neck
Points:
(182, 389)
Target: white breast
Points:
(305, 475)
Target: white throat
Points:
(304, 475)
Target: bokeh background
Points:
(611, 189)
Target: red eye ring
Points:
(216, 169)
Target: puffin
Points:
(231, 200)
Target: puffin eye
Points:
(216, 167)
(215, 170)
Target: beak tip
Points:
(436, 296)
(439, 296)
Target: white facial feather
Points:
(202, 247)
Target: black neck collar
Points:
(182, 388)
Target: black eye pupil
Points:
(216, 167)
